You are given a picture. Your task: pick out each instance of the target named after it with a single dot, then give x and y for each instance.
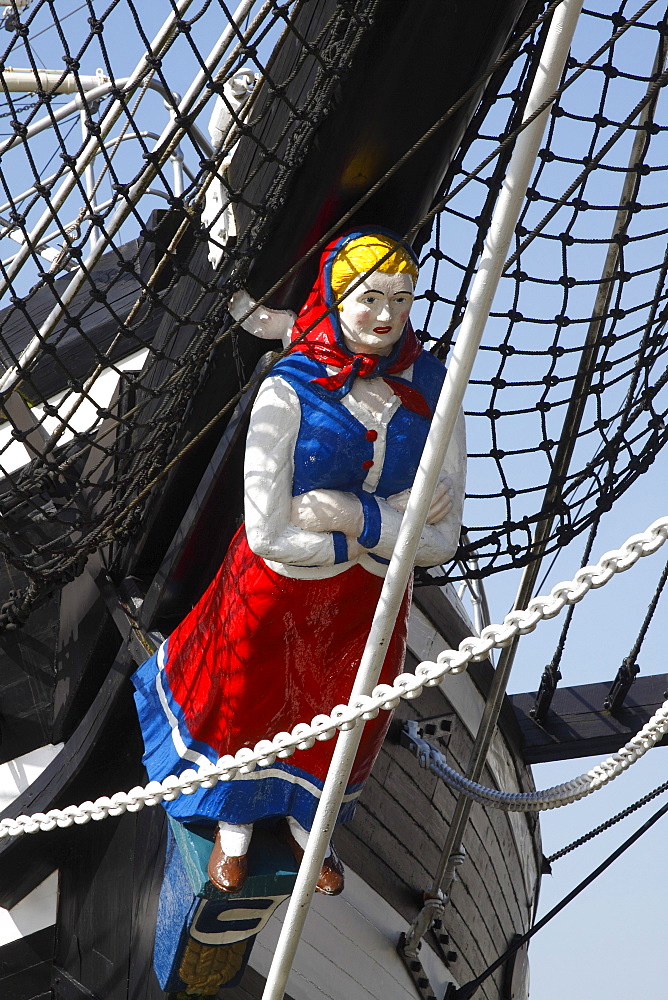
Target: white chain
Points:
(387, 697)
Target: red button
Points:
(367, 464)
(371, 435)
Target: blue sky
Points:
(595, 948)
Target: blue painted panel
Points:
(216, 923)
(272, 869)
(175, 912)
(210, 917)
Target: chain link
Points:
(385, 697)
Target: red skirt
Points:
(259, 653)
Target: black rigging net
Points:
(573, 362)
(83, 485)
(98, 377)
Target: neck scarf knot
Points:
(366, 366)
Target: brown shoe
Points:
(226, 872)
(331, 879)
(331, 875)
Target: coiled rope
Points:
(387, 697)
(558, 795)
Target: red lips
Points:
(382, 329)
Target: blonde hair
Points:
(363, 254)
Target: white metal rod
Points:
(58, 114)
(177, 162)
(29, 81)
(177, 168)
(165, 144)
(96, 94)
(159, 46)
(450, 400)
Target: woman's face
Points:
(374, 314)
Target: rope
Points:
(387, 697)
(557, 795)
(466, 991)
(640, 638)
(617, 818)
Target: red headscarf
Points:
(324, 340)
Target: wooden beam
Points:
(186, 567)
(578, 726)
(86, 767)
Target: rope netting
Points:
(107, 333)
(113, 309)
(567, 405)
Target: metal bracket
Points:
(410, 740)
(416, 732)
(437, 728)
(621, 686)
(442, 940)
(415, 971)
(431, 911)
(548, 685)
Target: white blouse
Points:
(268, 482)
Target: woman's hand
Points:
(261, 321)
(328, 510)
(440, 506)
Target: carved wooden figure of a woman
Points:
(335, 437)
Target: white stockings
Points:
(235, 838)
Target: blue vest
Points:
(332, 449)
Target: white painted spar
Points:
(52, 81)
(483, 289)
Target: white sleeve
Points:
(438, 542)
(268, 479)
(265, 323)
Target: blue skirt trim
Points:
(278, 790)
